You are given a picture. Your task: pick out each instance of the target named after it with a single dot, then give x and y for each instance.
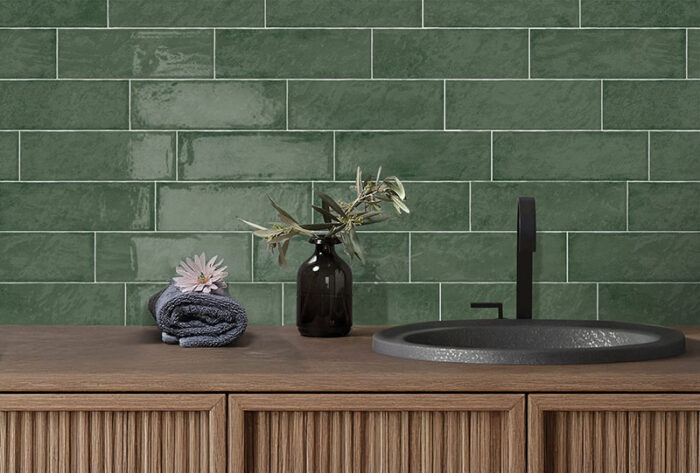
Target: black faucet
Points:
(526, 247)
(527, 230)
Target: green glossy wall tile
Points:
(137, 296)
(186, 13)
(386, 259)
(663, 304)
(527, 105)
(414, 156)
(62, 304)
(664, 206)
(490, 257)
(560, 205)
(63, 13)
(502, 13)
(551, 301)
(570, 156)
(381, 304)
(343, 13)
(204, 104)
(154, 256)
(450, 53)
(653, 257)
(135, 53)
(8, 156)
(674, 156)
(694, 53)
(98, 156)
(608, 53)
(293, 53)
(434, 206)
(661, 105)
(202, 207)
(640, 13)
(27, 53)
(33, 257)
(265, 155)
(79, 206)
(365, 105)
(64, 104)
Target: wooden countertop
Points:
(277, 359)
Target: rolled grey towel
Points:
(195, 319)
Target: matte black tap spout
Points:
(526, 247)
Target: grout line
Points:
(444, 105)
(234, 28)
(107, 13)
(567, 256)
(379, 232)
(492, 156)
(579, 13)
(329, 181)
(252, 257)
(350, 130)
(282, 315)
(264, 13)
(601, 104)
(155, 206)
(349, 79)
(528, 53)
(124, 304)
(371, 53)
(374, 283)
(410, 251)
(627, 206)
(286, 103)
(56, 58)
(94, 256)
(422, 13)
(440, 301)
(597, 301)
(129, 104)
(177, 155)
(19, 155)
(470, 206)
(686, 53)
(312, 202)
(648, 156)
(213, 57)
(334, 155)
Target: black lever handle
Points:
(489, 305)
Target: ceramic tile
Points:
(639, 13)
(27, 53)
(186, 13)
(659, 304)
(674, 157)
(664, 206)
(502, 13)
(50, 13)
(343, 13)
(694, 53)
(8, 156)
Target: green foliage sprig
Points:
(340, 219)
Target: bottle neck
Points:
(325, 248)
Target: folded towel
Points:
(195, 319)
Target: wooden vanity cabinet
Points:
(373, 433)
(112, 433)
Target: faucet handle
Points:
(489, 305)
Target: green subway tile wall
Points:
(134, 133)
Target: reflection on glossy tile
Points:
(62, 304)
(483, 257)
(186, 13)
(386, 259)
(549, 301)
(419, 156)
(560, 205)
(525, 105)
(653, 257)
(135, 53)
(8, 156)
(450, 53)
(293, 53)
(208, 105)
(381, 304)
(674, 156)
(37, 257)
(49, 13)
(27, 53)
(343, 13)
(81, 206)
(365, 105)
(434, 206)
(662, 304)
(664, 206)
(154, 256)
(569, 155)
(203, 207)
(64, 105)
(501, 13)
(268, 155)
(98, 156)
(607, 53)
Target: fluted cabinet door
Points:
(105, 433)
(376, 433)
(614, 433)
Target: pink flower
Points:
(200, 275)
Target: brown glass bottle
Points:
(324, 292)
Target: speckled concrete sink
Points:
(529, 342)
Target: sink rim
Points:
(392, 341)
